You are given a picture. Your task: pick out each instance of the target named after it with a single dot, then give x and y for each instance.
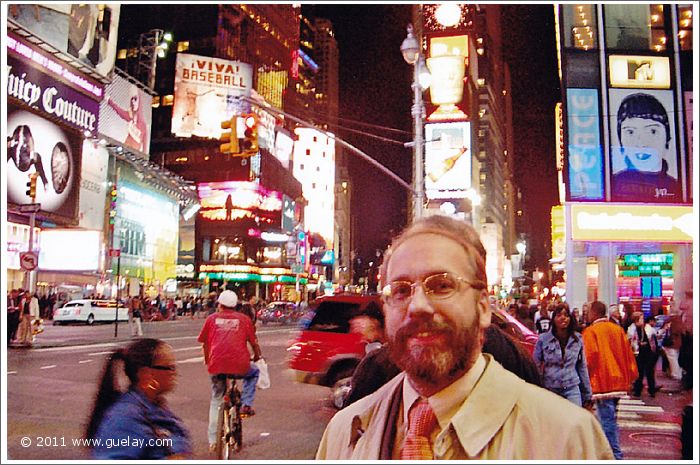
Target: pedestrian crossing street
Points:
(634, 414)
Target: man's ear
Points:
(484, 309)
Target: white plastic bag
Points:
(264, 379)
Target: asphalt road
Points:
(50, 390)
(51, 387)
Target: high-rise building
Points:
(469, 131)
(627, 103)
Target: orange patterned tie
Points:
(421, 421)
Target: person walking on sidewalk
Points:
(29, 308)
(559, 354)
(611, 368)
(642, 336)
(13, 314)
(135, 313)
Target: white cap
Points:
(228, 299)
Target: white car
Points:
(88, 311)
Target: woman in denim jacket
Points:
(562, 361)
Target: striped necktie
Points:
(421, 422)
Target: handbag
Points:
(264, 378)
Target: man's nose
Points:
(419, 302)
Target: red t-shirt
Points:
(227, 333)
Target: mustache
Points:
(414, 327)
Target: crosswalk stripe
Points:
(640, 408)
(655, 425)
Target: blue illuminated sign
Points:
(585, 152)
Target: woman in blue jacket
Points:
(562, 361)
(137, 424)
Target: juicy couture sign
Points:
(45, 93)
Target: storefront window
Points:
(635, 27)
(271, 256)
(227, 250)
(580, 26)
(685, 27)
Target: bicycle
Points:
(229, 437)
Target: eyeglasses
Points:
(164, 367)
(437, 286)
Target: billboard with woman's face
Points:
(644, 157)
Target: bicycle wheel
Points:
(223, 433)
(236, 428)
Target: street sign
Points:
(114, 252)
(30, 208)
(28, 261)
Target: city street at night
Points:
(392, 196)
(51, 389)
(51, 392)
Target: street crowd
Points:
(442, 383)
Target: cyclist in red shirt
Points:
(225, 337)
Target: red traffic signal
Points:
(249, 145)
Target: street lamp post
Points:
(410, 49)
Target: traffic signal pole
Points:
(31, 274)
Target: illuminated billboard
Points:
(87, 31)
(70, 250)
(93, 185)
(146, 229)
(448, 160)
(585, 160)
(234, 200)
(632, 223)
(640, 72)
(643, 153)
(45, 85)
(205, 94)
(314, 168)
(37, 145)
(125, 114)
(558, 232)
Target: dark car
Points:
(326, 352)
(279, 312)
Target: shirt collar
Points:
(446, 402)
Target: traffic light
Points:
(113, 205)
(31, 186)
(249, 145)
(230, 138)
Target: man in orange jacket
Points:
(611, 368)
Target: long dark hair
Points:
(137, 355)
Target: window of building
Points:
(579, 26)
(635, 27)
(308, 151)
(685, 27)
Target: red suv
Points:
(326, 352)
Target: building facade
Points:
(626, 153)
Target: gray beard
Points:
(435, 364)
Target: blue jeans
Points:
(572, 394)
(606, 409)
(218, 386)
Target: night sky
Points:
(375, 87)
